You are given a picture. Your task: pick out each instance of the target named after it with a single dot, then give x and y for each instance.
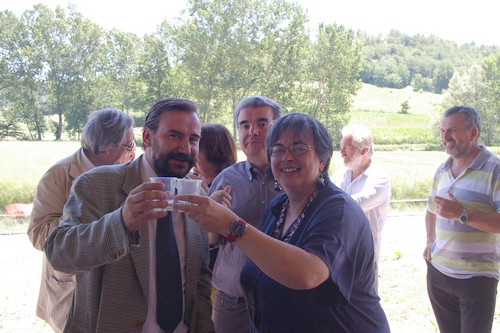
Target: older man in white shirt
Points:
(369, 186)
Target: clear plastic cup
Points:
(169, 184)
(188, 186)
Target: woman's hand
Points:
(223, 196)
(207, 213)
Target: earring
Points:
(321, 180)
(277, 186)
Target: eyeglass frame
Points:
(309, 148)
(130, 147)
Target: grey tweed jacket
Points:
(111, 265)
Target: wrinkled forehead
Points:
(456, 120)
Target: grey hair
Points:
(472, 118)
(303, 124)
(105, 129)
(361, 137)
(257, 102)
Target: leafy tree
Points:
(469, 89)
(332, 69)
(405, 106)
(442, 76)
(229, 50)
(71, 56)
(122, 51)
(282, 52)
(204, 41)
(491, 114)
(422, 83)
(21, 69)
(155, 68)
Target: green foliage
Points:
(490, 116)
(428, 63)
(478, 87)
(15, 191)
(405, 106)
(57, 62)
(333, 68)
(400, 136)
(23, 165)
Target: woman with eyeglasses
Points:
(310, 266)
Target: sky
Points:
(459, 21)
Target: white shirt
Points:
(150, 325)
(372, 191)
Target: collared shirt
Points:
(372, 191)
(251, 192)
(86, 163)
(150, 325)
(459, 250)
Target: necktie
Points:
(168, 276)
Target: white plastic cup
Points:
(169, 184)
(188, 186)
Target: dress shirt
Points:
(372, 191)
(251, 192)
(150, 325)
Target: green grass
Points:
(24, 163)
(375, 99)
(378, 109)
(388, 120)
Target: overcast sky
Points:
(460, 21)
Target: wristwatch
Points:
(464, 218)
(236, 230)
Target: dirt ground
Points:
(402, 280)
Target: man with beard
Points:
(251, 187)
(462, 224)
(109, 238)
(369, 186)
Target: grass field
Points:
(411, 173)
(388, 100)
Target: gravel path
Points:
(402, 280)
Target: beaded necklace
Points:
(278, 229)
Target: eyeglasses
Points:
(130, 147)
(297, 149)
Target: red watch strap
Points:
(231, 238)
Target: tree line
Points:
(427, 63)
(58, 63)
(56, 66)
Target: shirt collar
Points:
(146, 170)
(86, 163)
(252, 172)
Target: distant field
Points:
(379, 109)
(375, 99)
(24, 163)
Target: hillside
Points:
(375, 99)
(379, 109)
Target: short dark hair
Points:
(104, 130)
(257, 102)
(472, 118)
(219, 146)
(166, 105)
(299, 124)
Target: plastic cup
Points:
(188, 186)
(169, 186)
